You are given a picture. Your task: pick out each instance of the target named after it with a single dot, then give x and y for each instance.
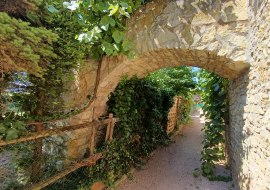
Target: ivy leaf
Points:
(52, 9)
(11, 134)
(116, 47)
(83, 37)
(107, 48)
(96, 51)
(91, 35)
(131, 54)
(106, 21)
(103, 6)
(137, 4)
(94, 33)
(118, 36)
(221, 93)
(127, 45)
(114, 9)
(124, 5)
(73, 5)
(105, 27)
(124, 13)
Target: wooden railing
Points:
(41, 132)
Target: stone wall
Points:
(79, 92)
(250, 107)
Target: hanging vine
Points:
(215, 99)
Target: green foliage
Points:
(11, 130)
(24, 47)
(101, 24)
(57, 39)
(142, 109)
(71, 54)
(196, 173)
(178, 79)
(215, 99)
(185, 110)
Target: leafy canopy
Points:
(178, 79)
(102, 23)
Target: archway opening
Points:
(113, 70)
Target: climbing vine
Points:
(215, 99)
(185, 107)
(142, 109)
(101, 23)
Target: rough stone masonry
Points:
(250, 106)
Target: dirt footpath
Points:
(171, 168)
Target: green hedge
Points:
(142, 109)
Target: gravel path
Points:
(171, 168)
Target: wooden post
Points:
(108, 131)
(2, 105)
(112, 124)
(93, 116)
(177, 112)
(37, 162)
(2, 71)
(92, 140)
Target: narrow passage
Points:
(171, 168)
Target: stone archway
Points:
(210, 34)
(206, 34)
